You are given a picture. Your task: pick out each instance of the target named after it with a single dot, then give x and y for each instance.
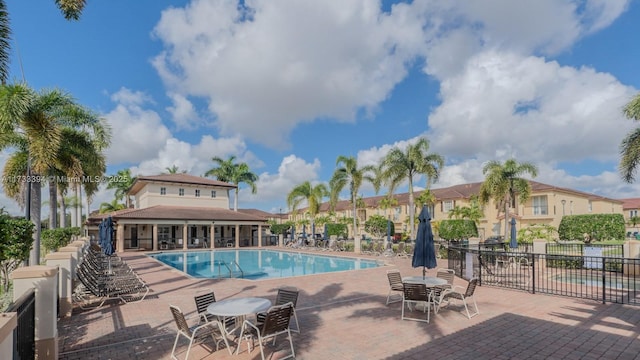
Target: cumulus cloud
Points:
(137, 133)
(183, 113)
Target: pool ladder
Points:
(233, 262)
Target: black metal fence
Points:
(601, 278)
(24, 343)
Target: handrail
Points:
(233, 262)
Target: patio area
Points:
(343, 316)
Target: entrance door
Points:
(134, 237)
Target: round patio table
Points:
(239, 306)
(428, 280)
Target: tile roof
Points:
(631, 203)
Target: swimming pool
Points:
(258, 264)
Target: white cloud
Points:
(264, 75)
(137, 133)
(530, 108)
(275, 187)
(183, 112)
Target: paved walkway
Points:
(343, 316)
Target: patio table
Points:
(428, 280)
(239, 308)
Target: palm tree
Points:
(34, 124)
(503, 181)
(121, 182)
(630, 147)
(313, 195)
(174, 170)
(405, 165)
(229, 171)
(348, 172)
(114, 205)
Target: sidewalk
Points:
(343, 316)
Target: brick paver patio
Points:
(343, 316)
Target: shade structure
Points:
(424, 253)
(106, 236)
(514, 239)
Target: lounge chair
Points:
(395, 284)
(464, 294)
(198, 333)
(275, 322)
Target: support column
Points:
(212, 236)
(259, 235)
(44, 279)
(185, 230)
(74, 259)
(120, 238)
(237, 236)
(63, 262)
(154, 236)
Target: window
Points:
(590, 206)
(633, 213)
(163, 191)
(181, 192)
(197, 192)
(540, 205)
(213, 193)
(447, 205)
(396, 213)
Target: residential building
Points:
(547, 204)
(631, 208)
(183, 211)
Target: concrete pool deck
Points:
(343, 316)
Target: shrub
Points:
(376, 225)
(53, 239)
(457, 229)
(16, 240)
(592, 227)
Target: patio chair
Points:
(203, 299)
(414, 294)
(467, 294)
(446, 274)
(196, 334)
(284, 296)
(276, 322)
(395, 284)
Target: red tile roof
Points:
(177, 179)
(631, 203)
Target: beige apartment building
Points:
(546, 205)
(181, 211)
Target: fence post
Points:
(64, 262)
(75, 255)
(8, 322)
(44, 280)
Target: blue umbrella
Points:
(326, 232)
(514, 240)
(293, 233)
(424, 253)
(107, 242)
(388, 233)
(313, 231)
(304, 231)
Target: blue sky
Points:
(288, 86)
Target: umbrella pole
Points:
(424, 272)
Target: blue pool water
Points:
(258, 264)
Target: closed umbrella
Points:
(313, 231)
(424, 253)
(514, 240)
(326, 232)
(107, 248)
(304, 231)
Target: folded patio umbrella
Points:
(424, 253)
(514, 239)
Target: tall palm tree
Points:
(503, 181)
(348, 172)
(630, 147)
(403, 166)
(121, 182)
(32, 123)
(313, 195)
(234, 173)
(114, 205)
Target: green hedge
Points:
(457, 229)
(339, 230)
(53, 239)
(596, 226)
